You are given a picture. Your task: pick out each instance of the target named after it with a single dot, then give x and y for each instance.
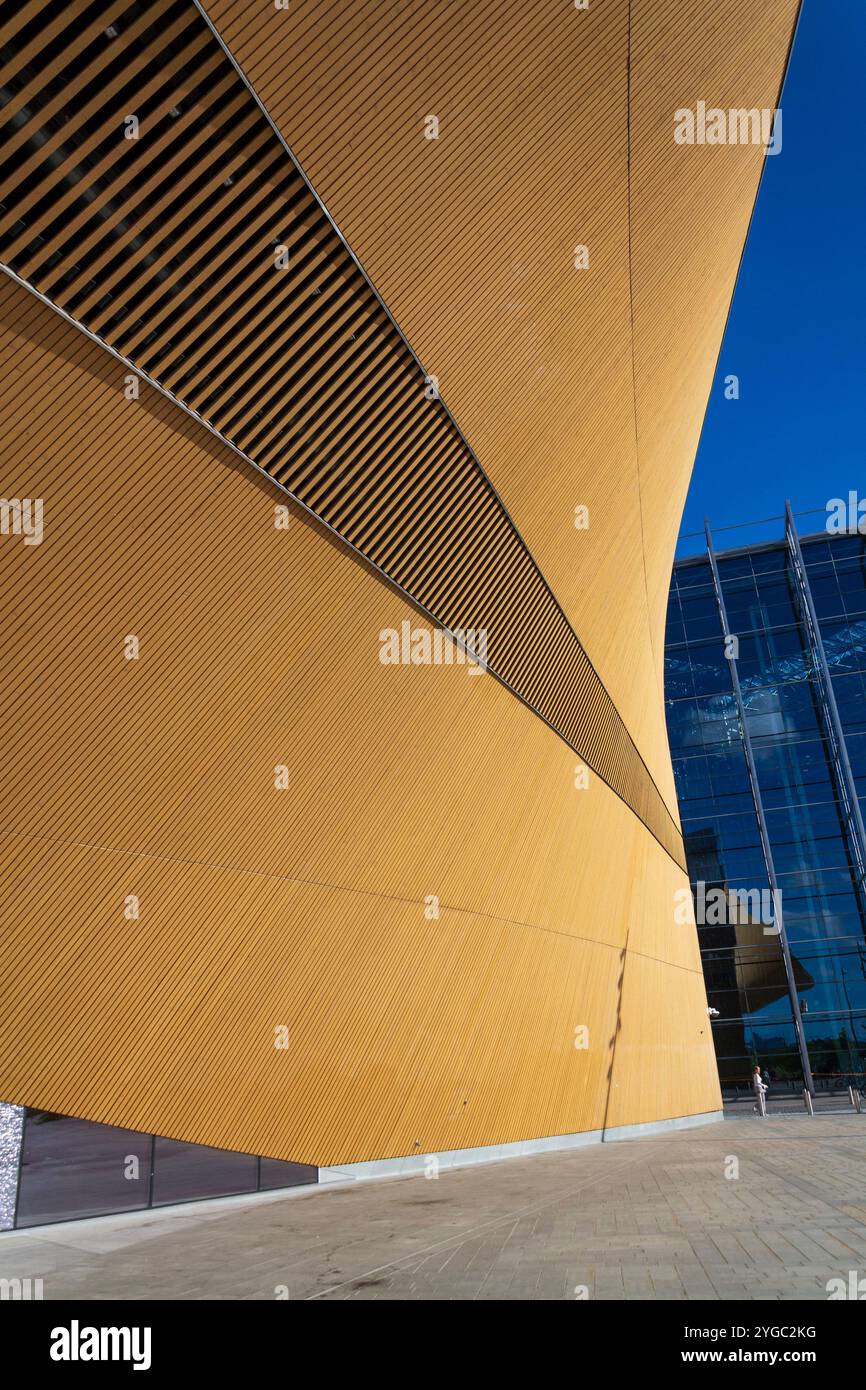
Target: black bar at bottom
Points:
(280, 1337)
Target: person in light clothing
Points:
(760, 1088)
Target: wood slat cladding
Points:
(683, 285)
(303, 907)
(198, 252)
(556, 128)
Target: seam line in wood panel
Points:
(305, 882)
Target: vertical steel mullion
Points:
(762, 822)
(831, 709)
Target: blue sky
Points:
(796, 335)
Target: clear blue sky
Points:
(796, 335)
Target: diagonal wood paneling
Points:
(556, 128)
(683, 284)
(260, 647)
(298, 365)
(305, 907)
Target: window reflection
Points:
(71, 1168)
(182, 1172)
(813, 851)
(75, 1168)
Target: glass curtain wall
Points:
(822, 901)
(74, 1168)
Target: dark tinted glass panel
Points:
(845, 546)
(678, 676)
(278, 1174)
(182, 1172)
(711, 670)
(816, 552)
(736, 567)
(845, 645)
(71, 1168)
(839, 997)
(835, 1050)
(689, 576)
(769, 561)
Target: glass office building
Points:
(768, 739)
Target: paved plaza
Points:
(655, 1218)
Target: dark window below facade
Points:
(75, 1168)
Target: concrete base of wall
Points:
(153, 1219)
(495, 1153)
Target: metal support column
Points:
(762, 823)
(835, 735)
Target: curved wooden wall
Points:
(297, 365)
(556, 130)
(309, 908)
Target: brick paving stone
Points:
(651, 1218)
